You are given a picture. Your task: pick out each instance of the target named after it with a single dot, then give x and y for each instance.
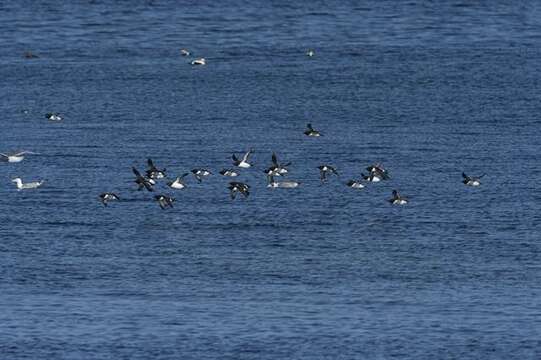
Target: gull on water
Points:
(15, 157)
(30, 185)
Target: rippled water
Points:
(429, 89)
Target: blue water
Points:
(430, 89)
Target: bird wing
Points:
(274, 159)
(245, 157)
(136, 172)
(465, 176)
(234, 158)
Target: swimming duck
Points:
(310, 131)
(200, 174)
(184, 52)
(229, 172)
(106, 197)
(53, 116)
(200, 61)
(397, 199)
(471, 180)
(355, 184)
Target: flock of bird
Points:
(153, 174)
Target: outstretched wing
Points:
(274, 159)
(137, 173)
(245, 157)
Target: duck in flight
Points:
(153, 172)
(279, 168)
(30, 185)
(471, 180)
(106, 197)
(310, 131)
(326, 170)
(142, 181)
(243, 163)
(164, 201)
(178, 183)
(15, 157)
(397, 199)
(238, 187)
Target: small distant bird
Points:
(229, 172)
(153, 172)
(106, 197)
(178, 183)
(372, 177)
(142, 181)
(164, 201)
(184, 52)
(281, 184)
(16, 157)
(471, 180)
(30, 185)
(325, 170)
(355, 184)
(279, 168)
(200, 173)
(30, 55)
(310, 53)
(53, 116)
(243, 163)
(200, 61)
(310, 131)
(397, 199)
(378, 171)
(238, 187)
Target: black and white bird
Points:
(397, 199)
(178, 183)
(184, 52)
(325, 171)
(310, 53)
(106, 197)
(200, 61)
(242, 163)
(471, 180)
(14, 157)
(229, 172)
(238, 187)
(164, 201)
(281, 169)
(377, 170)
(53, 116)
(200, 174)
(355, 184)
(143, 182)
(310, 131)
(288, 184)
(153, 172)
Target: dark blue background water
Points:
(430, 89)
